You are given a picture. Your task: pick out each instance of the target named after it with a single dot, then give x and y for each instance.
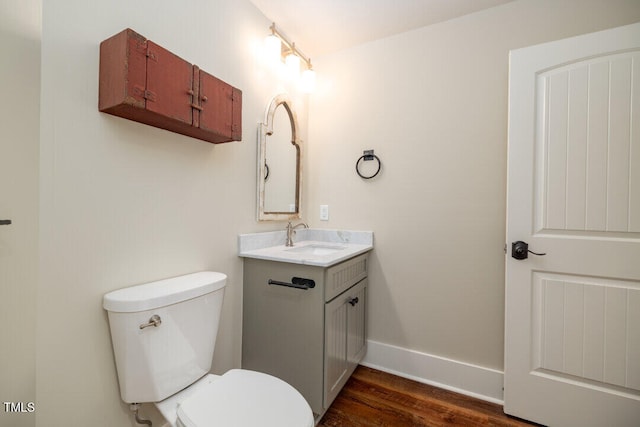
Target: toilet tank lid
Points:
(161, 293)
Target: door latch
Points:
(520, 250)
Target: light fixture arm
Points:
(290, 45)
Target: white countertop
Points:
(318, 247)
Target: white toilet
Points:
(163, 336)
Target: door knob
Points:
(520, 250)
(5, 221)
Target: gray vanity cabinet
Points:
(314, 338)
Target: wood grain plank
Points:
(375, 398)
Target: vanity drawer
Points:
(342, 276)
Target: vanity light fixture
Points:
(279, 48)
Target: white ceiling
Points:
(323, 26)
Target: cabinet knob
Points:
(353, 301)
(204, 98)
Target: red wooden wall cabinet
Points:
(142, 81)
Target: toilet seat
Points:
(242, 398)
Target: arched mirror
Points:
(279, 178)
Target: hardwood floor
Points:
(375, 398)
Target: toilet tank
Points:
(154, 362)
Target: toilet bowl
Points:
(163, 336)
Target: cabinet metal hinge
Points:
(149, 95)
(152, 55)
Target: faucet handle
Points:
(291, 230)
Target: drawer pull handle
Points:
(353, 301)
(296, 282)
(5, 222)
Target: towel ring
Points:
(368, 155)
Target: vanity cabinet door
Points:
(345, 343)
(356, 325)
(283, 328)
(335, 349)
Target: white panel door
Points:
(572, 326)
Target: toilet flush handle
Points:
(155, 320)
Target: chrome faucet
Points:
(291, 230)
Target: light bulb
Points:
(308, 81)
(293, 64)
(273, 48)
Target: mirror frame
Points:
(265, 129)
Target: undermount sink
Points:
(316, 249)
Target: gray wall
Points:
(124, 203)
(20, 28)
(432, 103)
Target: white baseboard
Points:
(460, 377)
